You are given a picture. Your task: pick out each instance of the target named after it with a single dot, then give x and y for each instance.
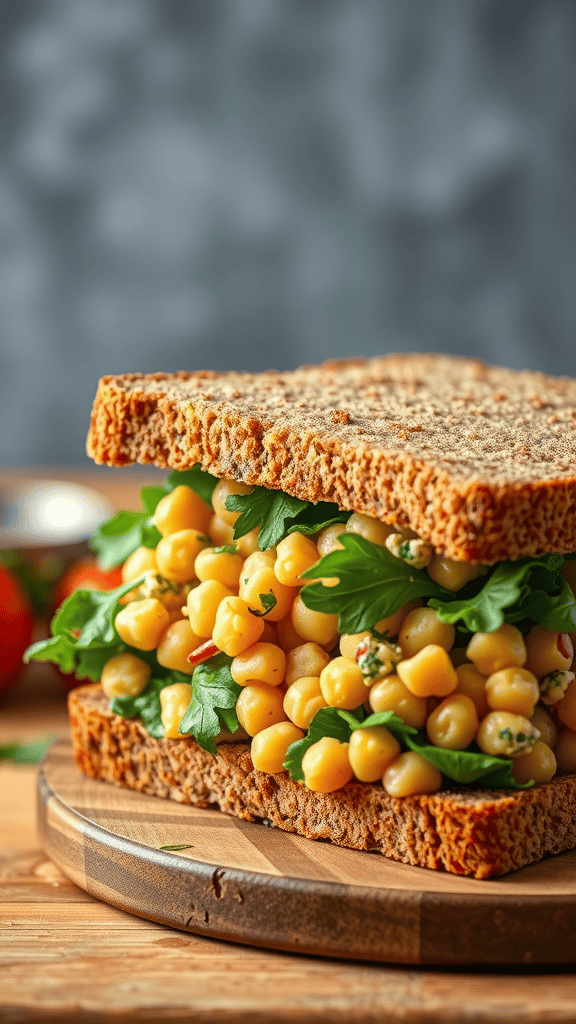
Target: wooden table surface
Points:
(66, 957)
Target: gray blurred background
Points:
(259, 183)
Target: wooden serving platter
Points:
(257, 885)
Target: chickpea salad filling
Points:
(341, 648)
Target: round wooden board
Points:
(257, 885)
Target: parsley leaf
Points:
(177, 847)
(25, 753)
(114, 540)
(270, 510)
(314, 518)
(372, 584)
(515, 591)
(226, 549)
(268, 602)
(212, 704)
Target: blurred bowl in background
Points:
(53, 514)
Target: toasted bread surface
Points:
(478, 460)
(466, 832)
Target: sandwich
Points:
(349, 612)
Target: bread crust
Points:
(480, 461)
(467, 832)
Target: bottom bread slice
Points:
(467, 832)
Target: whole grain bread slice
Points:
(480, 833)
(478, 460)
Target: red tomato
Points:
(84, 574)
(16, 622)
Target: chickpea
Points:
(548, 651)
(430, 673)
(565, 752)
(140, 624)
(342, 684)
(554, 686)
(177, 553)
(422, 627)
(390, 694)
(410, 774)
(125, 675)
(369, 528)
(503, 734)
(305, 660)
(218, 565)
(223, 490)
(259, 560)
(263, 663)
(269, 747)
(174, 701)
(235, 628)
(248, 544)
(303, 699)
(311, 625)
(288, 638)
(140, 561)
(176, 643)
(260, 582)
(566, 708)
(220, 533)
(370, 751)
(203, 603)
(451, 574)
(454, 723)
(538, 766)
(513, 689)
(295, 555)
(326, 766)
(182, 509)
(472, 683)
(492, 651)
(259, 706)
(392, 624)
(546, 726)
(327, 540)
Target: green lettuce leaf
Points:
(372, 584)
(212, 704)
(197, 478)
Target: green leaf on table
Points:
(372, 584)
(25, 753)
(177, 847)
(212, 704)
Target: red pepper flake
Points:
(202, 653)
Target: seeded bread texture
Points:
(480, 833)
(480, 461)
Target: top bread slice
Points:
(478, 460)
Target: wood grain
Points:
(249, 883)
(65, 957)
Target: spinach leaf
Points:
(326, 722)
(147, 704)
(372, 584)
